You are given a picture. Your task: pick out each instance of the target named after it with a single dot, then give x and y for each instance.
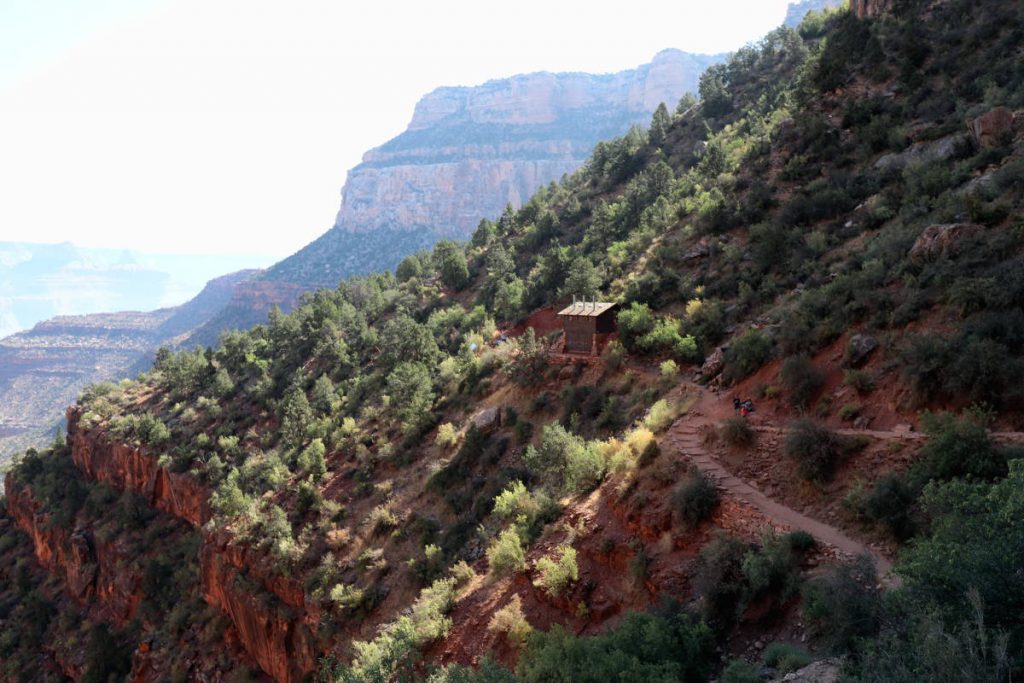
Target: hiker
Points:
(746, 408)
(736, 403)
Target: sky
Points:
(227, 126)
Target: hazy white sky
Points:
(227, 126)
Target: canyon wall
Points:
(470, 151)
(92, 568)
(128, 468)
(269, 612)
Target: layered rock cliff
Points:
(268, 612)
(470, 151)
(93, 568)
(128, 468)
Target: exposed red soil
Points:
(543, 321)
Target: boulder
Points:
(859, 349)
(992, 128)
(823, 671)
(923, 153)
(713, 364)
(487, 420)
(984, 186)
(942, 240)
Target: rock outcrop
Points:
(924, 153)
(823, 671)
(859, 349)
(269, 612)
(865, 9)
(992, 128)
(127, 468)
(942, 240)
(90, 568)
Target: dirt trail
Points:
(685, 437)
(901, 433)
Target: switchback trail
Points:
(684, 437)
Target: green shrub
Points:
(381, 519)
(614, 355)
(107, 657)
(736, 431)
(633, 323)
(746, 355)
(816, 449)
(739, 671)
(719, 580)
(890, 503)
(653, 648)
(850, 412)
(505, 554)
(801, 379)
(446, 435)
(800, 541)
(975, 543)
(843, 605)
(639, 563)
(661, 415)
(511, 621)
(311, 459)
(555, 575)
(785, 658)
(771, 569)
(860, 381)
(695, 499)
(649, 454)
(565, 461)
(958, 447)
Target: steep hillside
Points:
(406, 478)
(45, 368)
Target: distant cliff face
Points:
(470, 151)
(798, 10)
(44, 369)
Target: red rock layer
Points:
(91, 568)
(273, 625)
(128, 468)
